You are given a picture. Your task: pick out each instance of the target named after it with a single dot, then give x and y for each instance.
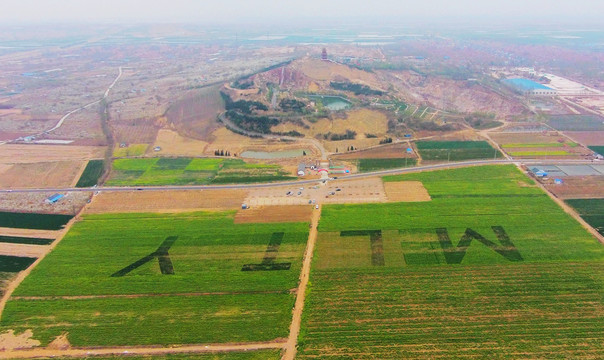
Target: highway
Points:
(303, 182)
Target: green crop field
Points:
(591, 210)
(597, 149)
(491, 267)
(144, 279)
(14, 263)
(576, 122)
(91, 174)
(33, 220)
(456, 150)
(184, 171)
(366, 165)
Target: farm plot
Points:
(91, 174)
(33, 221)
(550, 144)
(144, 279)
(456, 150)
(367, 165)
(43, 174)
(182, 171)
(130, 150)
(597, 149)
(576, 122)
(591, 210)
(490, 268)
(248, 355)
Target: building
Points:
(530, 87)
(301, 169)
(324, 54)
(54, 198)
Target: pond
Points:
(283, 154)
(333, 103)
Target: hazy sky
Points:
(279, 11)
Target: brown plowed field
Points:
(166, 201)
(172, 143)
(578, 187)
(407, 191)
(587, 137)
(21, 153)
(44, 174)
(272, 214)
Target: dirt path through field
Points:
(294, 330)
(86, 353)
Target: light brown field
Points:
(45, 174)
(35, 202)
(225, 139)
(272, 214)
(172, 143)
(407, 191)
(21, 153)
(578, 187)
(526, 138)
(43, 234)
(587, 137)
(165, 201)
(363, 121)
(23, 250)
(327, 71)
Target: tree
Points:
(303, 153)
(221, 152)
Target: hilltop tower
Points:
(324, 54)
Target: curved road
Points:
(302, 182)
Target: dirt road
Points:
(294, 329)
(48, 353)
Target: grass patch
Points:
(367, 165)
(189, 171)
(33, 220)
(131, 150)
(206, 297)
(456, 150)
(91, 174)
(490, 268)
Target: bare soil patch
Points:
(45, 174)
(46, 234)
(9, 341)
(587, 137)
(139, 131)
(271, 214)
(165, 201)
(22, 153)
(195, 113)
(172, 143)
(23, 250)
(578, 187)
(35, 202)
(407, 191)
(328, 71)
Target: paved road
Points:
(302, 182)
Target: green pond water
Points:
(333, 103)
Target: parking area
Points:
(332, 192)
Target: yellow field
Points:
(130, 150)
(172, 143)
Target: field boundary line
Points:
(294, 330)
(88, 352)
(109, 296)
